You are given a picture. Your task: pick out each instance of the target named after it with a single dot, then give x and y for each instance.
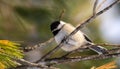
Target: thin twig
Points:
(77, 29)
(79, 58)
(61, 14)
(114, 50)
(100, 4)
(27, 63)
(30, 64)
(106, 44)
(38, 45)
(94, 7)
(86, 49)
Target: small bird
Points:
(61, 29)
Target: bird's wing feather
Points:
(88, 39)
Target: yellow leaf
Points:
(2, 66)
(5, 42)
(110, 65)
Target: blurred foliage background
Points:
(29, 20)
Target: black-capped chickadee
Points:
(61, 29)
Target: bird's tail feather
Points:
(98, 49)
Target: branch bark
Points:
(27, 49)
(80, 58)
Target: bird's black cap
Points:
(54, 26)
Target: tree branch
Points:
(38, 45)
(80, 58)
(30, 64)
(87, 49)
(48, 62)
